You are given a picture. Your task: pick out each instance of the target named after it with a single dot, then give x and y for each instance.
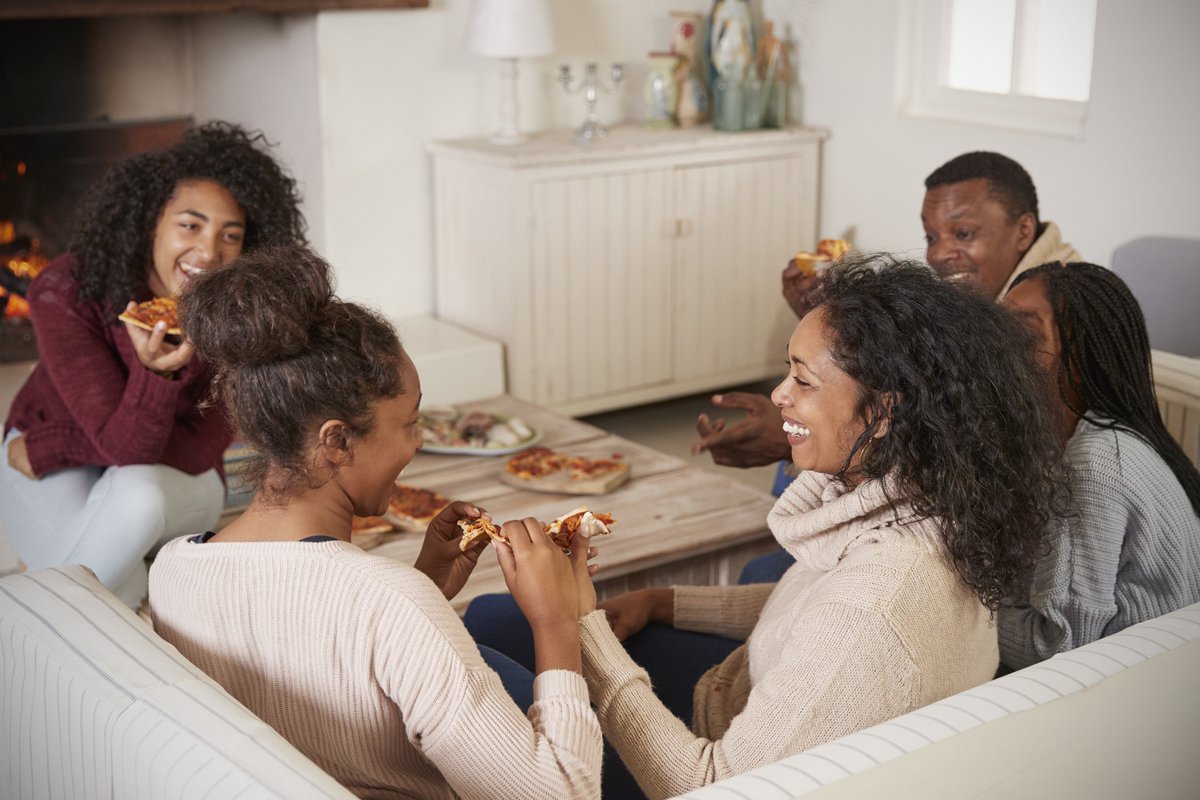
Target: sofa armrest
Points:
(95, 704)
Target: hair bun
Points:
(263, 307)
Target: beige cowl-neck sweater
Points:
(870, 623)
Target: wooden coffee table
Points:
(676, 524)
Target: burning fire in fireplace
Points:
(20, 263)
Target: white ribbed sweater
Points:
(870, 623)
(361, 663)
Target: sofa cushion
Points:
(94, 704)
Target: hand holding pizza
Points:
(800, 287)
(152, 348)
(440, 558)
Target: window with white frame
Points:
(1022, 64)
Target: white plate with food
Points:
(448, 431)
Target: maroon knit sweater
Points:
(90, 401)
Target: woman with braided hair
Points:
(1131, 550)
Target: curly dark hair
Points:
(1008, 182)
(115, 229)
(971, 440)
(1106, 359)
(288, 355)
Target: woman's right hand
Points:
(154, 351)
(544, 583)
(540, 576)
(630, 612)
(18, 457)
(800, 288)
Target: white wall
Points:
(353, 96)
(393, 80)
(260, 70)
(139, 68)
(1136, 171)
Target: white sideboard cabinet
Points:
(642, 267)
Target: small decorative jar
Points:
(729, 105)
(661, 93)
(693, 105)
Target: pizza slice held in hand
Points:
(151, 312)
(578, 522)
(476, 529)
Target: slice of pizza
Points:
(828, 251)
(412, 508)
(147, 314)
(367, 532)
(475, 529)
(579, 521)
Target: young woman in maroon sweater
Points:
(108, 447)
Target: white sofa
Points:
(94, 705)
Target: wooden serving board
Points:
(561, 482)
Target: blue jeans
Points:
(674, 659)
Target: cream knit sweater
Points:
(870, 623)
(1047, 247)
(362, 664)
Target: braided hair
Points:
(1106, 359)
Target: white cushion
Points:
(94, 704)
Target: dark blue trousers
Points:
(675, 660)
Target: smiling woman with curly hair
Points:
(915, 412)
(107, 447)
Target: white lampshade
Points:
(510, 28)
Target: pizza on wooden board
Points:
(544, 470)
(368, 532)
(412, 508)
(149, 313)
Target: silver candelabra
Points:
(590, 85)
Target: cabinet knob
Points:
(678, 228)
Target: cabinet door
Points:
(738, 223)
(601, 284)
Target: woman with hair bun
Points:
(359, 660)
(107, 448)
(1130, 551)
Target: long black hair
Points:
(115, 230)
(971, 440)
(1106, 359)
